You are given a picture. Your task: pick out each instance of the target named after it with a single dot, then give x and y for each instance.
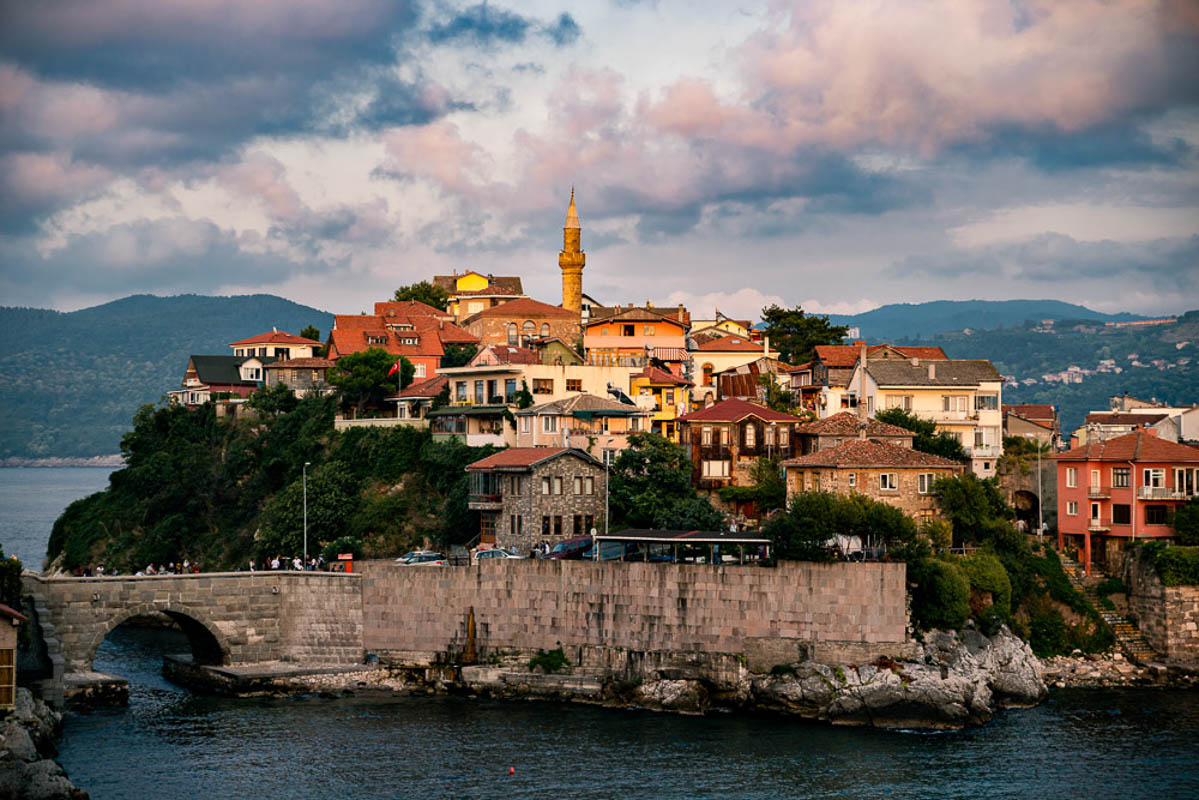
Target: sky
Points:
(834, 154)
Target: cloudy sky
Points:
(830, 153)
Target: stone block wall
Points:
(1168, 616)
(412, 612)
(532, 505)
(320, 618)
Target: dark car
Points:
(572, 549)
(613, 551)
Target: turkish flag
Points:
(394, 369)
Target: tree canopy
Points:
(794, 334)
(927, 439)
(649, 486)
(802, 532)
(363, 378)
(311, 332)
(424, 292)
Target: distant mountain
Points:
(70, 382)
(922, 320)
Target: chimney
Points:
(681, 313)
(862, 392)
(273, 328)
(765, 345)
(932, 370)
(915, 361)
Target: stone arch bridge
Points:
(229, 618)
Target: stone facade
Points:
(493, 328)
(1168, 616)
(412, 614)
(906, 496)
(230, 618)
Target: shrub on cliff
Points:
(813, 518)
(941, 598)
(986, 574)
(1176, 566)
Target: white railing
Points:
(1160, 493)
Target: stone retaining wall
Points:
(1168, 616)
(412, 613)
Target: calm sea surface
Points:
(171, 743)
(31, 499)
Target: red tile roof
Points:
(276, 337)
(846, 355)
(730, 344)
(1126, 418)
(526, 307)
(511, 354)
(350, 332)
(845, 423)
(656, 375)
(865, 453)
(525, 457)
(1036, 412)
(1136, 446)
(735, 410)
(429, 387)
(408, 308)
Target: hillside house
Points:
(419, 337)
(276, 344)
(822, 385)
(519, 322)
(595, 424)
(830, 432)
(663, 393)
(711, 356)
(529, 495)
(1037, 421)
(1117, 491)
(304, 376)
(209, 378)
(634, 337)
(472, 292)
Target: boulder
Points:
(686, 696)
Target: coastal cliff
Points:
(28, 770)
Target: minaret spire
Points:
(572, 259)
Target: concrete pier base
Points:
(84, 690)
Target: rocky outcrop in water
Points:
(27, 767)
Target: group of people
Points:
(294, 564)
(184, 567)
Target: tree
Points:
(271, 401)
(363, 380)
(523, 398)
(1186, 522)
(813, 518)
(692, 514)
(333, 497)
(424, 292)
(767, 492)
(927, 439)
(648, 479)
(974, 507)
(775, 396)
(458, 355)
(794, 334)
(314, 333)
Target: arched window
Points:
(527, 331)
(512, 333)
(545, 330)
(707, 374)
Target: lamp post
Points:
(307, 464)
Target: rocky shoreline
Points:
(28, 770)
(1113, 671)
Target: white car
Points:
(422, 558)
(493, 554)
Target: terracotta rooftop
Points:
(735, 410)
(588, 404)
(865, 453)
(1136, 446)
(602, 315)
(846, 355)
(509, 354)
(656, 375)
(1124, 418)
(276, 337)
(845, 423)
(1035, 412)
(730, 344)
(408, 308)
(519, 458)
(429, 387)
(525, 307)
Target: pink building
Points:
(1122, 490)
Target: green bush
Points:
(941, 598)
(549, 660)
(10, 581)
(986, 574)
(345, 544)
(1176, 566)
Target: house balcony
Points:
(1099, 492)
(484, 502)
(1099, 524)
(1160, 493)
(986, 451)
(951, 416)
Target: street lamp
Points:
(307, 464)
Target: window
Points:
(558, 525)
(1156, 515)
(769, 435)
(1186, 481)
(578, 484)
(409, 340)
(574, 384)
(648, 330)
(925, 481)
(603, 331)
(784, 436)
(512, 334)
(578, 525)
(888, 481)
(751, 434)
(557, 484)
(460, 391)
(549, 423)
(1121, 514)
(609, 457)
(954, 402)
(724, 435)
(669, 395)
(1155, 478)
(986, 402)
(708, 370)
(636, 424)
(589, 485)
(705, 436)
(420, 371)
(588, 523)
(480, 392)
(545, 330)
(545, 526)
(1121, 477)
(1072, 508)
(628, 330)
(543, 386)
(528, 330)
(524, 424)
(1071, 477)
(545, 485)
(903, 401)
(853, 480)
(979, 439)
(716, 469)
(509, 390)
(1095, 481)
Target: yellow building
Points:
(666, 394)
(472, 292)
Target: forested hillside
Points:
(71, 382)
(922, 320)
(1159, 361)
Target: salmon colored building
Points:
(1122, 490)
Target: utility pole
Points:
(307, 464)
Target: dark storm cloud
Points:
(487, 24)
(1121, 143)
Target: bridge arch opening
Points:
(207, 643)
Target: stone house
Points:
(529, 495)
(726, 439)
(822, 434)
(899, 476)
(519, 322)
(1038, 421)
(304, 376)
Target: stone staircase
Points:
(1129, 638)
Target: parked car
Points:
(612, 551)
(494, 554)
(570, 548)
(419, 558)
